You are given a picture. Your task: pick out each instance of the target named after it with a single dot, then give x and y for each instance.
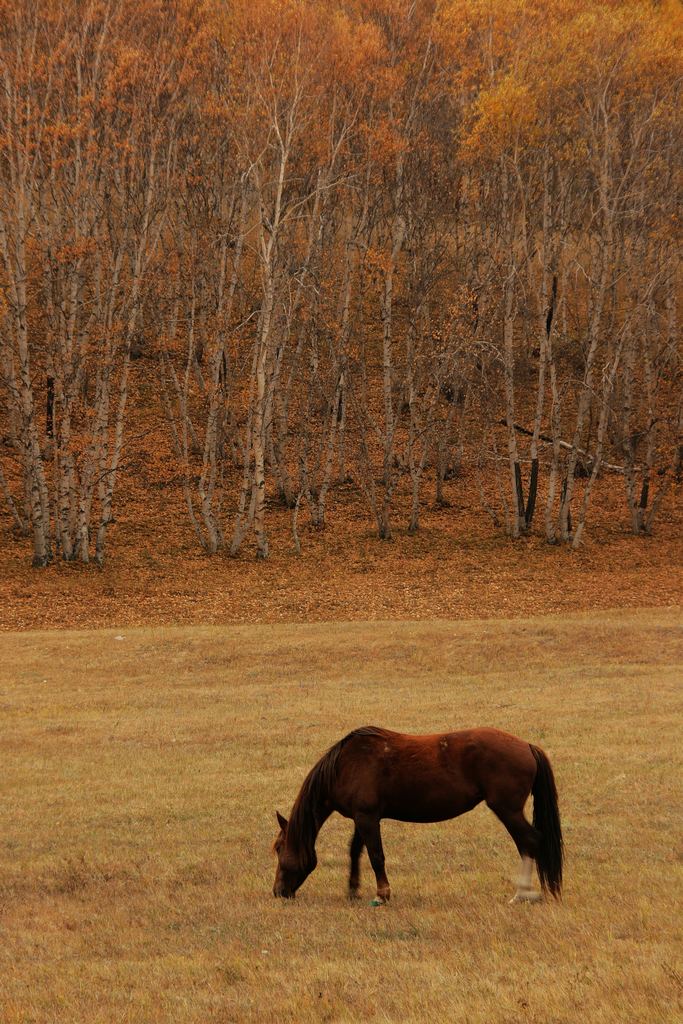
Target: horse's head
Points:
(290, 873)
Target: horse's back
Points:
(496, 742)
(484, 744)
(431, 777)
(504, 764)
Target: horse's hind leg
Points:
(355, 850)
(525, 890)
(368, 828)
(526, 840)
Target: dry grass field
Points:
(140, 771)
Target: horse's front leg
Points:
(355, 850)
(368, 828)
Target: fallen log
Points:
(589, 460)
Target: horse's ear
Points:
(282, 822)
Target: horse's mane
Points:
(305, 819)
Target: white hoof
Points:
(527, 896)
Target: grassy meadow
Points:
(140, 772)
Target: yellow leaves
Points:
(624, 47)
(524, 66)
(505, 116)
(477, 36)
(129, 67)
(74, 251)
(385, 141)
(135, 84)
(64, 133)
(377, 261)
(352, 50)
(213, 108)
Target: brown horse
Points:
(374, 773)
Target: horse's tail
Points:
(550, 855)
